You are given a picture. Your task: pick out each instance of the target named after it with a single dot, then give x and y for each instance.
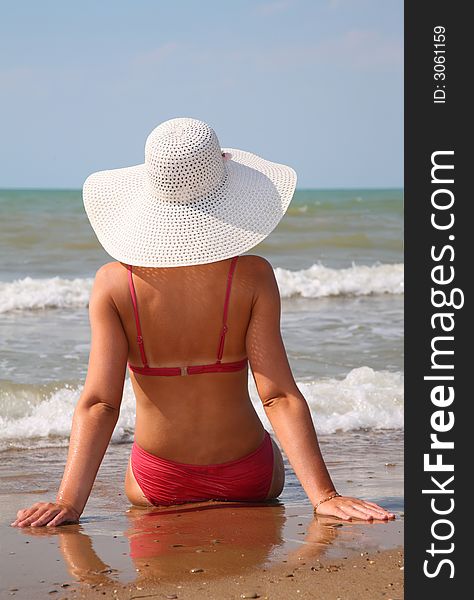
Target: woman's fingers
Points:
(58, 519)
(378, 508)
(354, 511)
(371, 512)
(23, 513)
(45, 513)
(329, 509)
(378, 511)
(29, 516)
(359, 512)
(337, 512)
(45, 517)
(348, 508)
(375, 511)
(372, 504)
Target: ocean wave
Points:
(315, 282)
(364, 399)
(54, 292)
(319, 281)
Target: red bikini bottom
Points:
(165, 482)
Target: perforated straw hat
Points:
(191, 202)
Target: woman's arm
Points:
(96, 412)
(285, 406)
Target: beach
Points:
(271, 549)
(338, 260)
(211, 551)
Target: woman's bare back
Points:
(197, 419)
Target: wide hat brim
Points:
(138, 228)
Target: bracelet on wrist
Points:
(330, 497)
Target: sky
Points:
(315, 84)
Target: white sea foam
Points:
(315, 282)
(363, 399)
(55, 292)
(359, 280)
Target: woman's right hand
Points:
(348, 508)
(46, 513)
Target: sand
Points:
(206, 550)
(351, 578)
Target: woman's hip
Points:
(163, 481)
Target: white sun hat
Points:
(191, 202)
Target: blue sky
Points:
(316, 84)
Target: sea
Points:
(338, 260)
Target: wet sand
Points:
(351, 578)
(206, 550)
(240, 547)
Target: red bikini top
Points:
(217, 367)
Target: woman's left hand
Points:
(347, 508)
(46, 513)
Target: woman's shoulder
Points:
(257, 271)
(251, 267)
(108, 271)
(257, 275)
(110, 277)
(256, 264)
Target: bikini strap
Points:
(220, 350)
(133, 294)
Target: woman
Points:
(188, 312)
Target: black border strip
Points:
(436, 132)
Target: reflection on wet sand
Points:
(216, 539)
